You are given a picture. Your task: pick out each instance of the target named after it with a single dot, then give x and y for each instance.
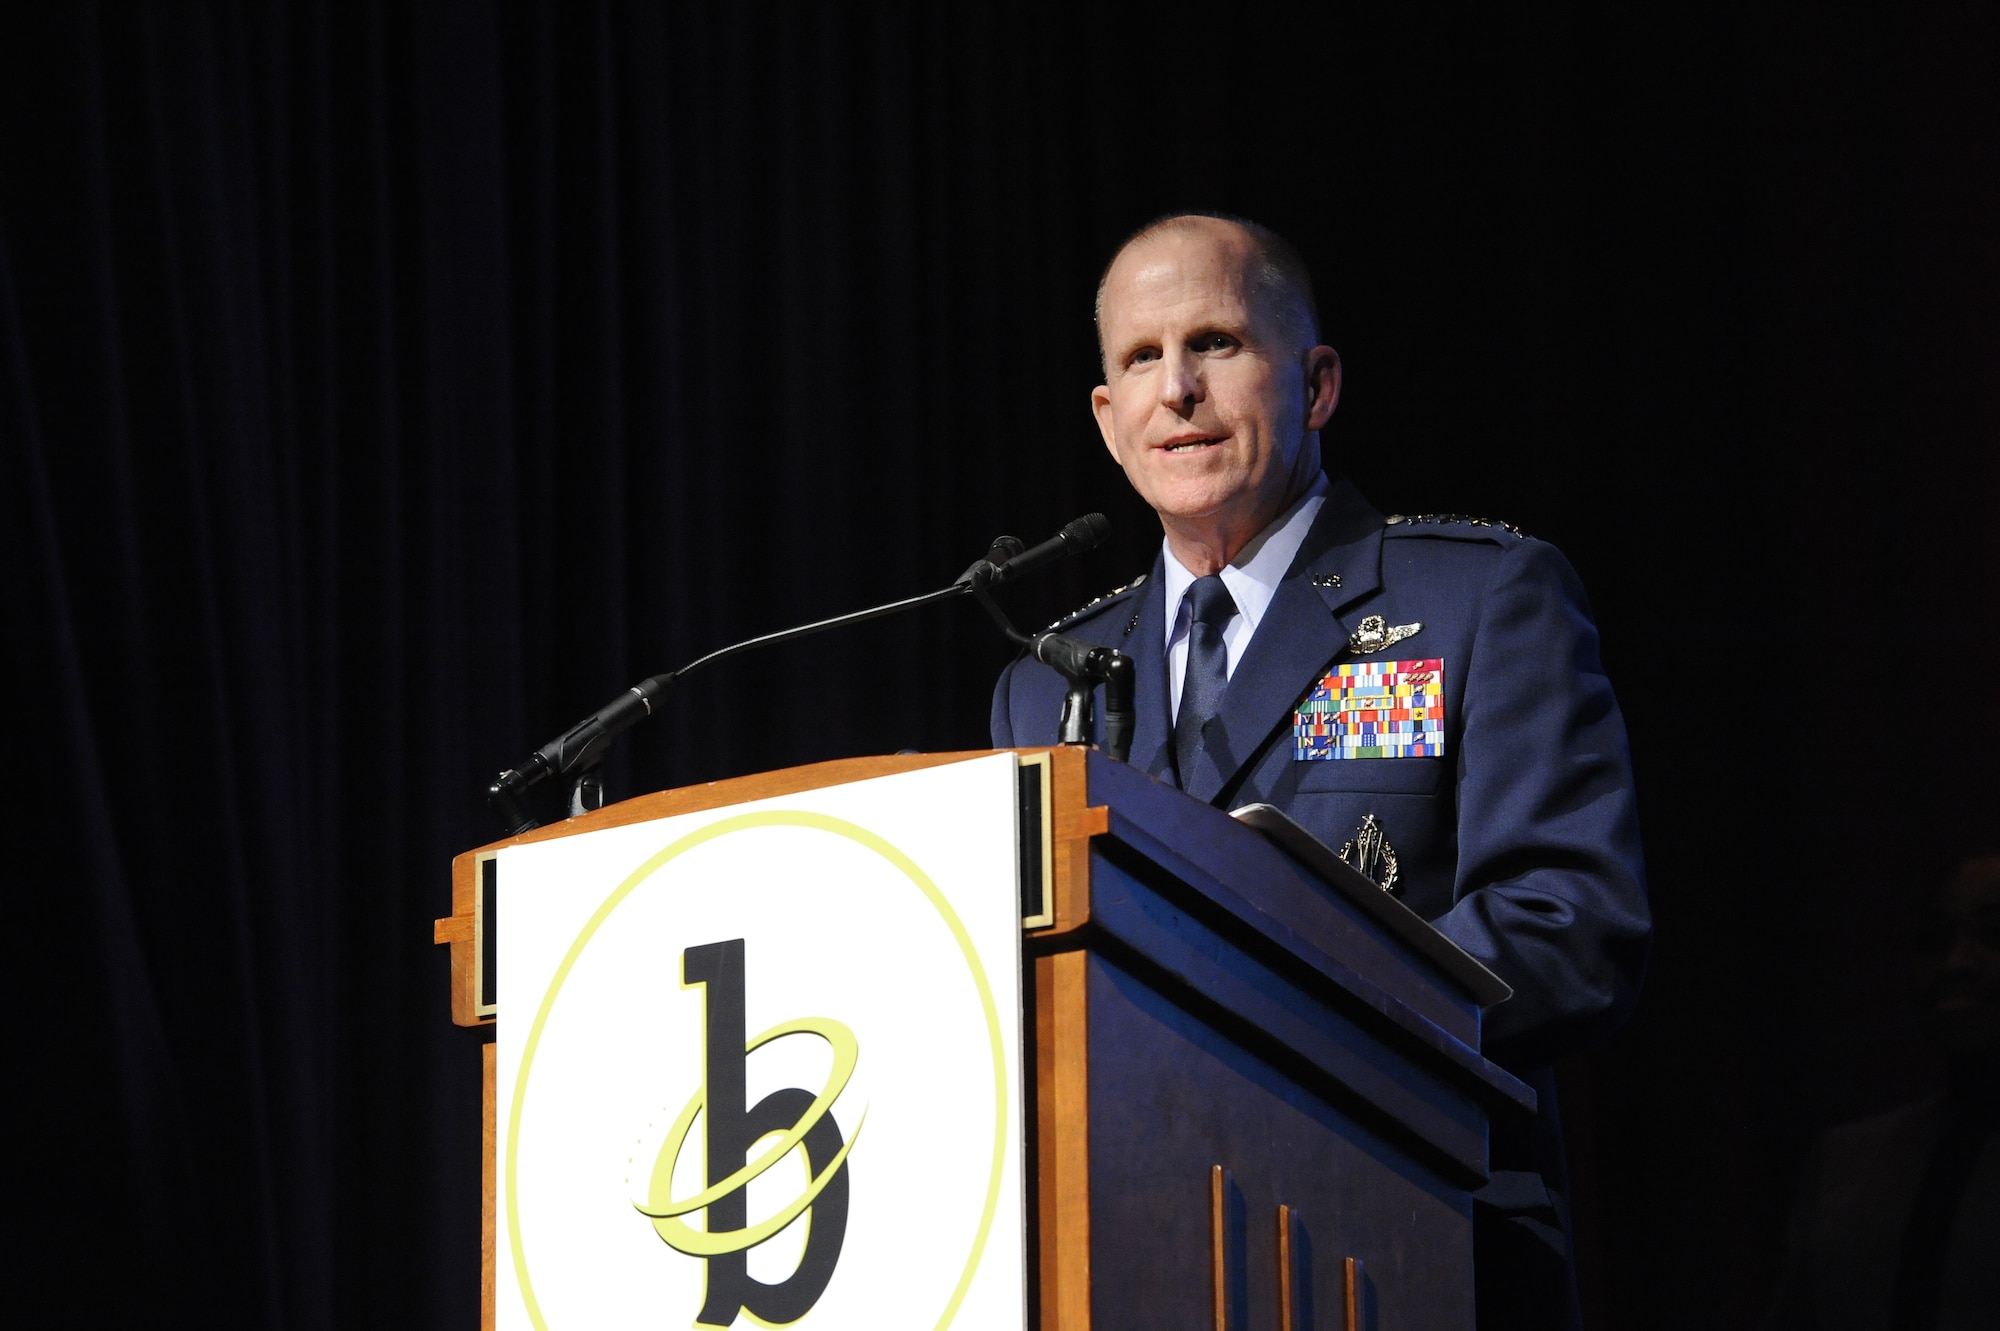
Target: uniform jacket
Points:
(1520, 841)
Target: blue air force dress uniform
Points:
(1504, 795)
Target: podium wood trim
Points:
(1062, 1138)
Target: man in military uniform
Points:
(1497, 791)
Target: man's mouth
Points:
(1191, 445)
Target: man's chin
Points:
(1218, 501)
(1192, 513)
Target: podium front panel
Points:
(1174, 1098)
(762, 1063)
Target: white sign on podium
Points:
(760, 1065)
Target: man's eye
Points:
(1213, 342)
(1145, 355)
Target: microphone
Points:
(1085, 666)
(1086, 533)
(578, 749)
(1003, 549)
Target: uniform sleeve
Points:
(1551, 891)
(1002, 723)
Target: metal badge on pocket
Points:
(1369, 853)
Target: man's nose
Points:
(1182, 385)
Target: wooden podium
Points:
(1255, 1095)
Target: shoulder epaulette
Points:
(1086, 608)
(1454, 519)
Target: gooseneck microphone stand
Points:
(577, 753)
(1085, 667)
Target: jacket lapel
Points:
(1298, 637)
(1152, 733)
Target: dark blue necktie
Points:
(1207, 668)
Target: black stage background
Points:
(383, 387)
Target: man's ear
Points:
(1322, 386)
(1100, 407)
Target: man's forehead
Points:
(1182, 265)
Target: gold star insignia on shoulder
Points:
(1376, 633)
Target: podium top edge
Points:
(739, 790)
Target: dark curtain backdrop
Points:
(383, 386)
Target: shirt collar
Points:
(1253, 576)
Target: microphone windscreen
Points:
(1083, 534)
(1088, 532)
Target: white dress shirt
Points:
(1252, 579)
